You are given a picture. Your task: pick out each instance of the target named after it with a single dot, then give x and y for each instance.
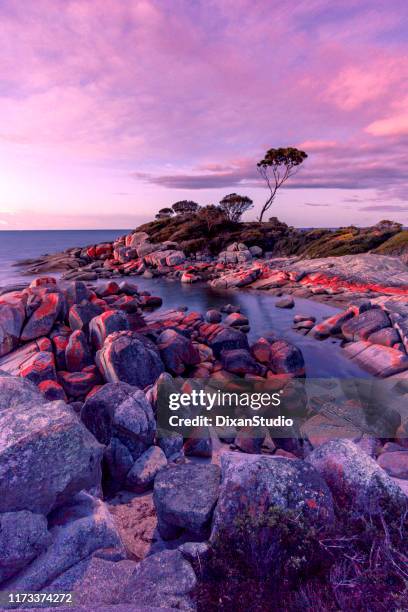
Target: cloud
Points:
(189, 95)
(344, 166)
(316, 204)
(385, 208)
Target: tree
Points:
(276, 167)
(185, 206)
(233, 206)
(165, 213)
(211, 215)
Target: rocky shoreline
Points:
(82, 460)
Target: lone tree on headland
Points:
(165, 213)
(233, 206)
(276, 167)
(185, 206)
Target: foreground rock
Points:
(77, 530)
(184, 497)
(356, 481)
(253, 487)
(131, 358)
(165, 579)
(46, 456)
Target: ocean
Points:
(27, 244)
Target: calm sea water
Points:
(323, 359)
(17, 245)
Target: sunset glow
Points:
(111, 110)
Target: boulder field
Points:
(81, 373)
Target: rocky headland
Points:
(97, 500)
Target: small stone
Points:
(143, 472)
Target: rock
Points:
(144, 470)
(332, 326)
(197, 553)
(221, 338)
(177, 351)
(76, 292)
(199, 444)
(171, 443)
(133, 240)
(39, 367)
(250, 440)
(109, 288)
(236, 319)
(129, 357)
(241, 278)
(46, 456)
(356, 481)
(365, 324)
(96, 584)
(252, 487)
(105, 324)
(43, 318)
(395, 463)
(240, 361)
(175, 258)
(23, 536)
(299, 318)
(286, 358)
(121, 411)
(60, 343)
(78, 384)
(118, 461)
(285, 302)
(80, 315)
(78, 529)
(188, 277)
(229, 308)
(255, 251)
(11, 321)
(128, 288)
(261, 350)
(213, 316)
(386, 337)
(15, 391)
(52, 391)
(165, 580)
(379, 360)
(78, 354)
(184, 497)
(45, 281)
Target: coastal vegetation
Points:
(211, 230)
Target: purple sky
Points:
(113, 109)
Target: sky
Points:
(112, 110)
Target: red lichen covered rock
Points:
(77, 384)
(60, 343)
(44, 281)
(286, 358)
(108, 288)
(52, 390)
(177, 351)
(39, 367)
(78, 354)
(81, 314)
(11, 321)
(106, 323)
(75, 292)
(43, 318)
(129, 357)
(103, 250)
